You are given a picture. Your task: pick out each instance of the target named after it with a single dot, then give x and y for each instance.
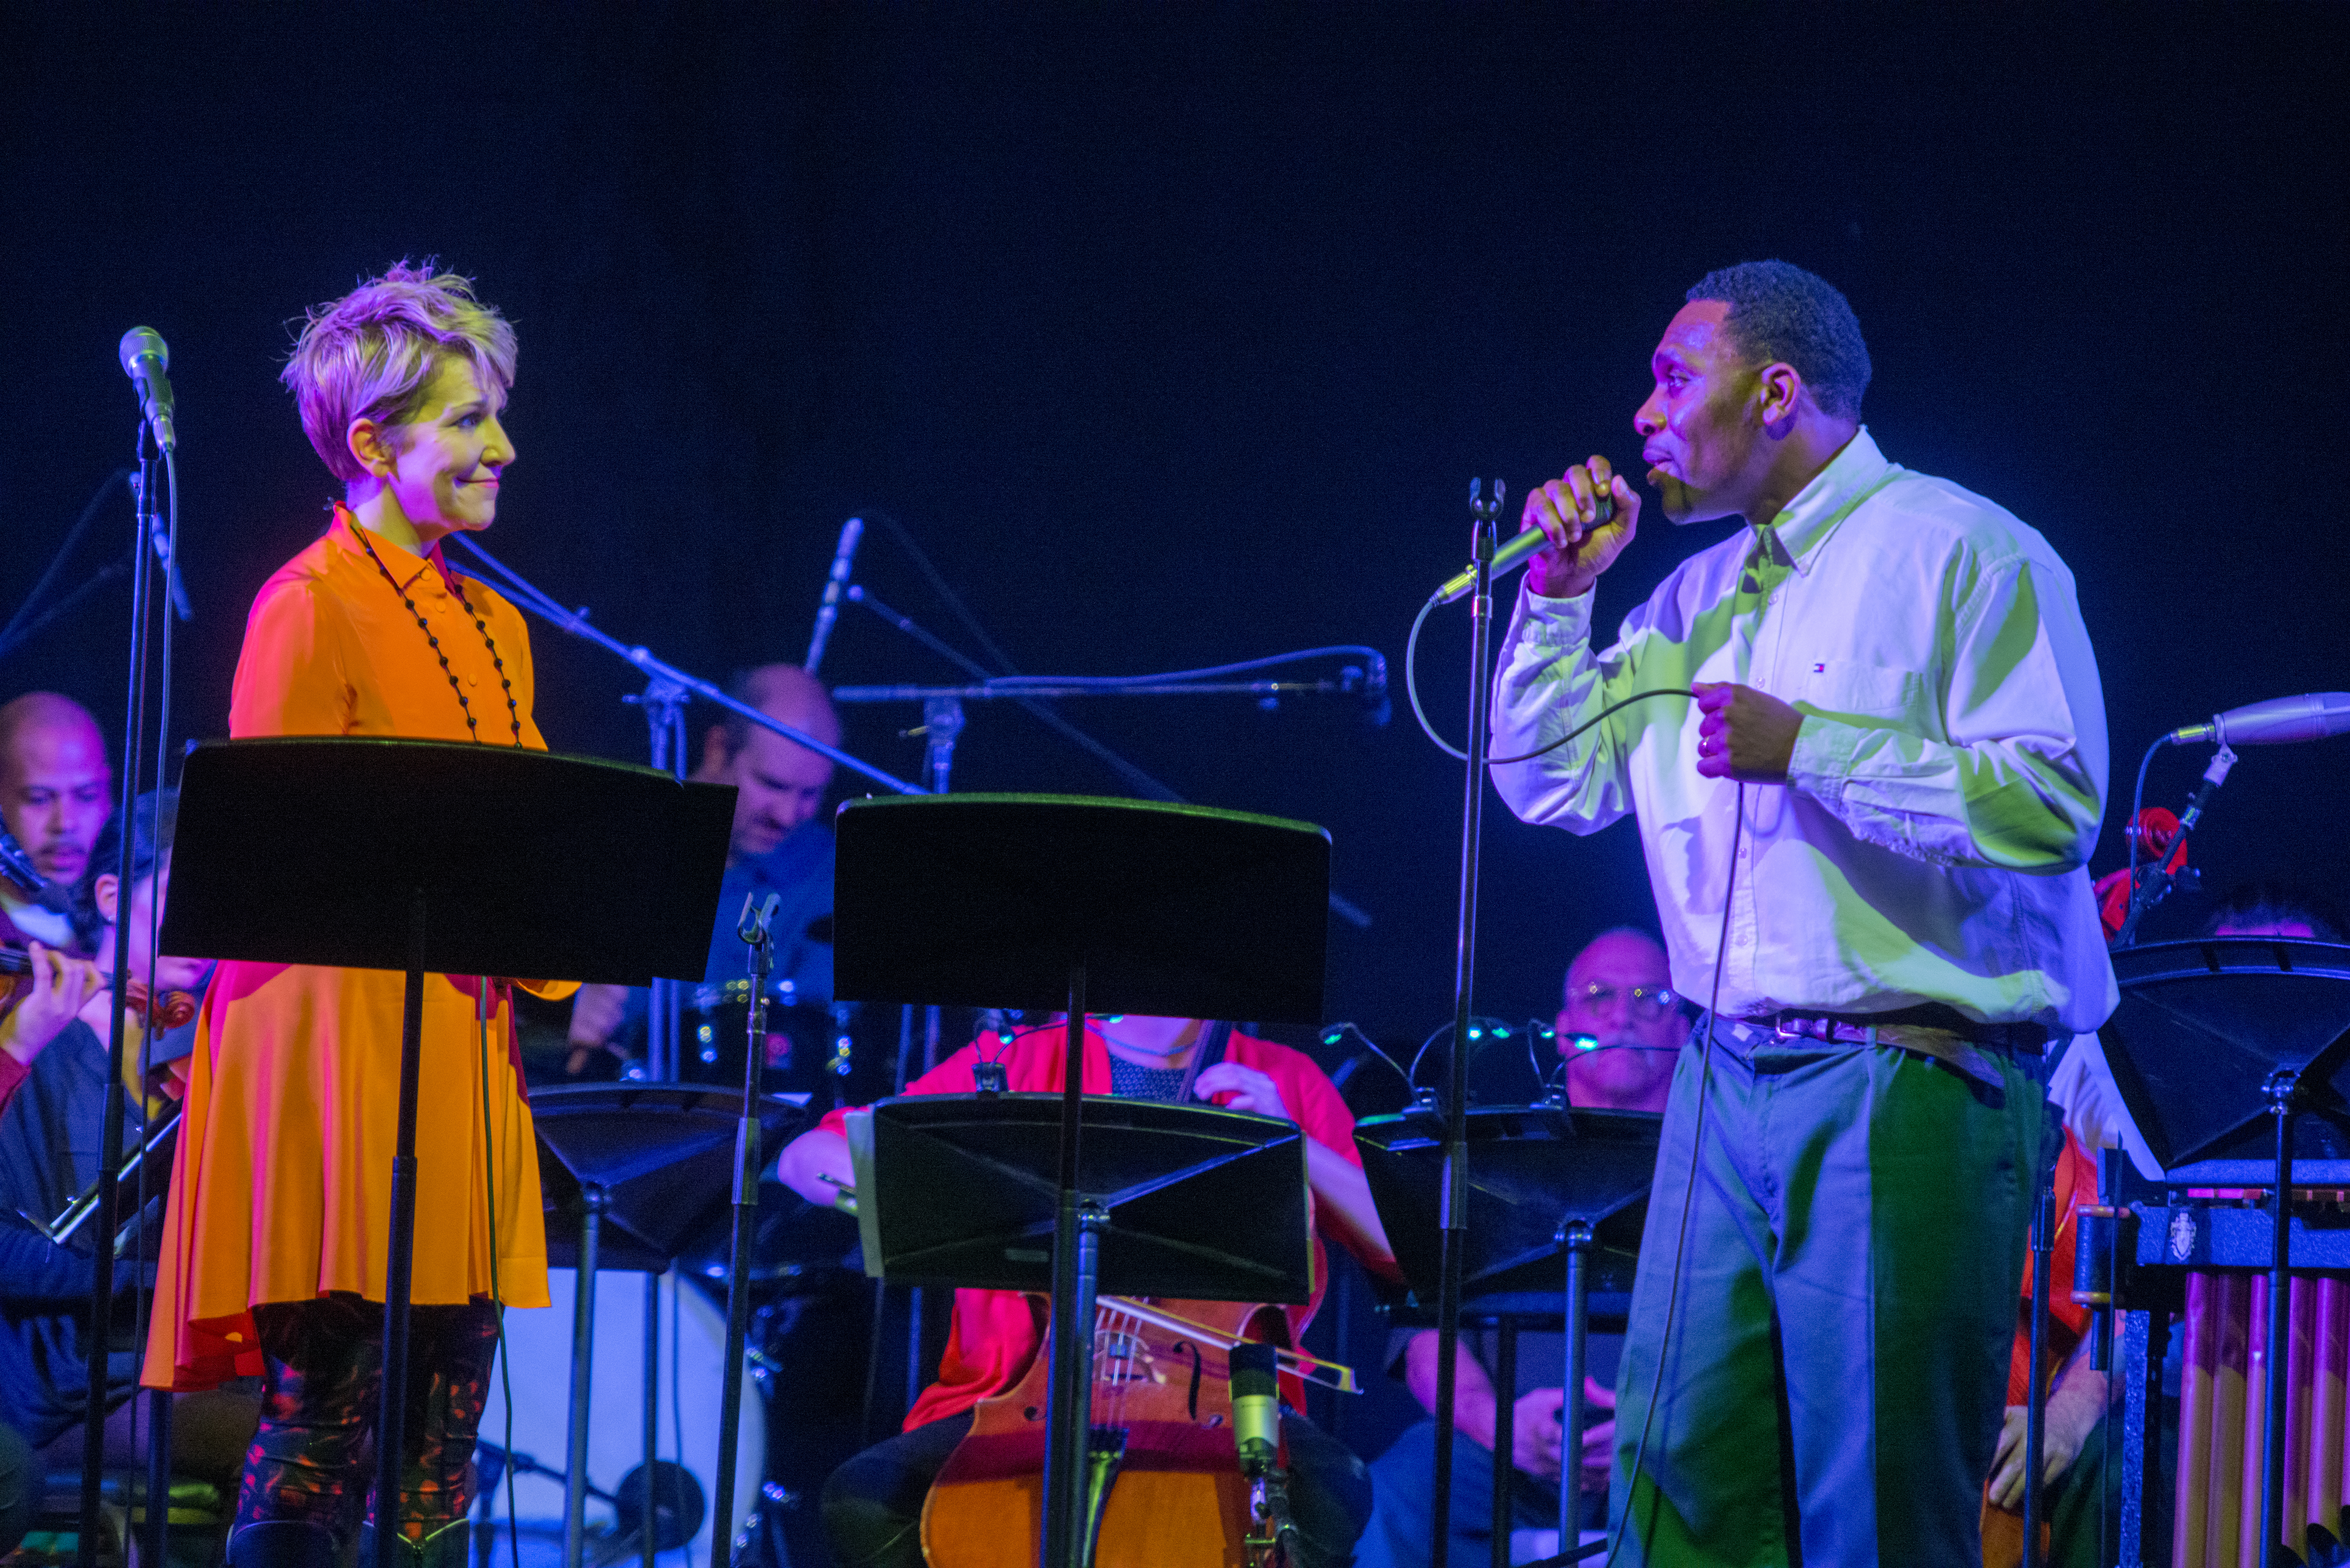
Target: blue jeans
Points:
(1834, 1381)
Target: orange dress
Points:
(281, 1191)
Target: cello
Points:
(1164, 1483)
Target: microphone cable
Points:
(1411, 690)
(1689, 1200)
(1571, 1465)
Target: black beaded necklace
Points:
(514, 713)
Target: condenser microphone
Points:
(2309, 717)
(145, 357)
(1257, 1407)
(827, 608)
(1507, 559)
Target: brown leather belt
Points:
(1930, 1029)
(1925, 1021)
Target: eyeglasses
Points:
(1643, 1000)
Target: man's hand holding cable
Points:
(1581, 547)
(1747, 735)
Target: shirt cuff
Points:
(1558, 623)
(1822, 759)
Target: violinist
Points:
(50, 1127)
(56, 790)
(873, 1504)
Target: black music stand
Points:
(1546, 1181)
(2233, 1056)
(959, 1197)
(443, 858)
(1039, 902)
(643, 1168)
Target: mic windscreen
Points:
(1256, 1405)
(2309, 717)
(143, 341)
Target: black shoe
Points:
(281, 1543)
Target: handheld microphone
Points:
(145, 357)
(1257, 1407)
(1512, 555)
(828, 610)
(2309, 717)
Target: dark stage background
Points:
(1174, 334)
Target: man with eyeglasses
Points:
(1620, 1030)
(1622, 1025)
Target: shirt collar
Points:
(1806, 522)
(405, 565)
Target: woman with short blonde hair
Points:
(274, 1256)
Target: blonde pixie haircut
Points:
(372, 353)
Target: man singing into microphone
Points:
(1865, 835)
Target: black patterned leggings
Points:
(322, 1378)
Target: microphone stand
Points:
(663, 701)
(2155, 884)
(155, 467)
(946, 701)
(754, 930)
(1453, 1213)
(575, 622)
(18, 632)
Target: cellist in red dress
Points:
(872, 1505)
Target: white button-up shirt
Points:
(1930, 843)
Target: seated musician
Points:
(56, 791)
(2080, 1493)
(872, 1506)
(49, 1138)
(32, 1267)
(1619, 1033)
(781, 844)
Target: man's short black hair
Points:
(1779, 311)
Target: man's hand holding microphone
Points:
(1588, 514)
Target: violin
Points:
(1163, 1476)
(170, 1011)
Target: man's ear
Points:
(101, 893)
(1779, 387)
